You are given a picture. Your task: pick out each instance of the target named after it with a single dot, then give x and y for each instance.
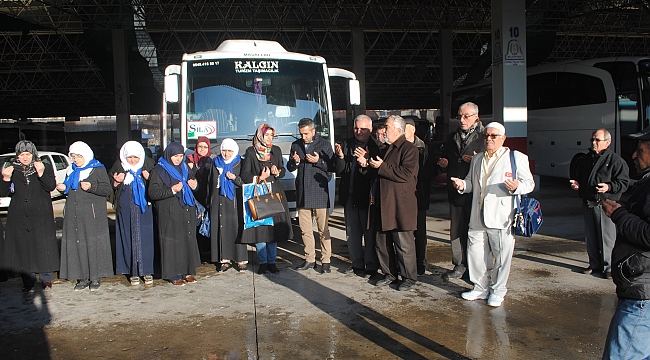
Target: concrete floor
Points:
(550, 312)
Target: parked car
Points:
(59, 163)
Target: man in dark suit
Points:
(461, 145)
(312, 157)
(354, 195)
(423, 191)
(397, 205)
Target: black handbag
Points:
(267, 205)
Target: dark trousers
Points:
(421, 242)
(458, 230)
(358, 234)
(397, 248)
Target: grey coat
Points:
(86, 247)
(312, 189)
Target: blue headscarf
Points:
(75, 173)
(178, 173)
(134, 172)
(227, 185)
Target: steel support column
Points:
(359, 69)
(122, 94)
(446, 80)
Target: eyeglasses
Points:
(202, 146)
(465, 116)
(598, 140)
(491, 136)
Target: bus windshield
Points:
(235, 96)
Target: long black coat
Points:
(226, 221)
(86, 248)
(30, 240)
(176, 224)
(312, 189)
(362, 179)
(281, 229)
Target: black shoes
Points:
(81, 284)
(325, 269)
(587, 271)
(306, 265)
(454, 274)
(273, 268)
(360, 272)
(383, 282)
(374, 278)
(406, 285)
(94, 285)
(262, 269)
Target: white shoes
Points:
(475, 295)
(495, 300)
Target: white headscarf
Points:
(131, 148)
(230, 144)
(81, 148)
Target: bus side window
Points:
(562, 89)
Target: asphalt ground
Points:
(551, 311)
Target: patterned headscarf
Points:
(262, 149)
(26, 146)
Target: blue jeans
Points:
(629, 331)
(267, 252)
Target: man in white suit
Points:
(493, 191)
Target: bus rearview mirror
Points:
(355, 92)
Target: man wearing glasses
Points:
(461, 145)
(493, 187)
(599, 175)
(354, 196)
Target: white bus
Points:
(567, 101)
(228, 92)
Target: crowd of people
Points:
(384, 190)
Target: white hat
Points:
(498, 126)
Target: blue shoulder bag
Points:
(528, 216)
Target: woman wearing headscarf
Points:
(85, 247)
(170, 187)
(264, 160)
(225, 218)
(134, 220)
(30, 244)
(201, 163)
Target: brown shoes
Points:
(190, 279)
(179, 282)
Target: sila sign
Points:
(195, 129)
